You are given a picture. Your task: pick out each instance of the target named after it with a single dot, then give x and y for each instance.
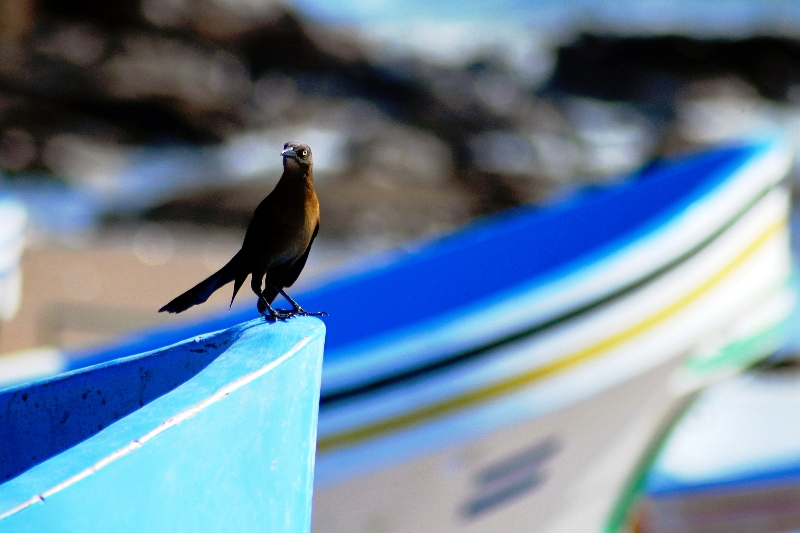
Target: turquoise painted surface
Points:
(224, 439)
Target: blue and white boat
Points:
(502, 376)
(528, 401)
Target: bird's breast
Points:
(290, 229)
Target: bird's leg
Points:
(269, 313)
(296, 309)
(263, 305)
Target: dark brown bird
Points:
(276, 245)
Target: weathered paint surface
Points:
(213, 434)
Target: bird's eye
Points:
(304, 153)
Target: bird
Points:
(276, 244)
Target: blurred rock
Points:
(174, 110)
(16, 21)
(613, 138)
(79, 44)
(154, 66)
(713, 110)
(401, 156)
(654, 70)
(217, 19)
(378, 211)
(17, 149)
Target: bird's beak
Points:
(289, 153)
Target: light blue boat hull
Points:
(214, 434)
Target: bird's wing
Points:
(294, 271)
(260, 223)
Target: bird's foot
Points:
(273, 315)
(299, 311)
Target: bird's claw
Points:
(273, 315)
(277, 314)
(302, 312)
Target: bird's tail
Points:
(200, 292)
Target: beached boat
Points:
(525, 408)
(216, 433)
(508, 375)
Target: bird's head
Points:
(296, 154)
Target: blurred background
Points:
(139, 135)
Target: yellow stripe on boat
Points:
(464, 401)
